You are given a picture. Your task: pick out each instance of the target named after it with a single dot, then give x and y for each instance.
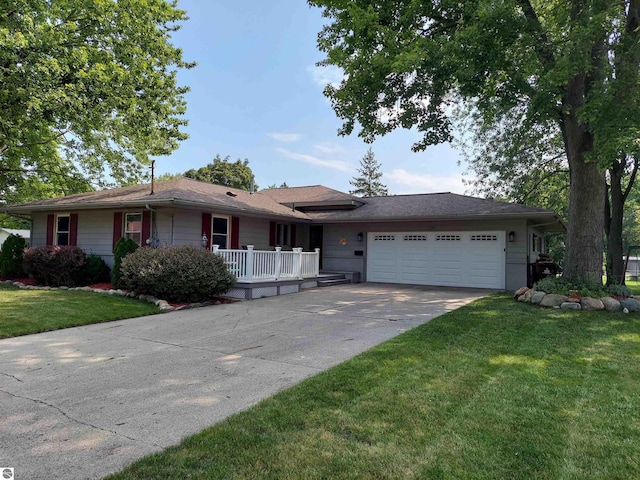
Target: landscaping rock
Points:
(537, 297)
(630, 304)
(570, 306)
(625, 310)
(592, 304)
(553, 300)
(526, 296)
(519, 292)
(611, 304)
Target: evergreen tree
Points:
(368, 184)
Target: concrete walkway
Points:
(84, 402)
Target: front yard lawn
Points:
(496, 389)
(32, 311)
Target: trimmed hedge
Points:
(124, 247)
(178, 274)
(11, 256)
(55, 265)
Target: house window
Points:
(220, 234)
(283, 234)
(133, 227)
(63, 224)
(536, 243)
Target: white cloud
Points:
(335, 164)
(326, 75)
(328, 148)
(285, 137)
(424, 183)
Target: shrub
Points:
(180, 274)
(11, 255)
(586, 287)
(618, 290)
(95, 270)
(55, 265)
(124, 247)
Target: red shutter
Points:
(206, 228)
(293, 235)
(117, 228)
(73, 229)
(50, 220)
(235, 232)
(146, 228)
(272, 234)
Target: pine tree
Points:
(368, 184)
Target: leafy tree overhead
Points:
(570, 65)
(88, 85)
(221, 171)
(282, 185)
(368, 184)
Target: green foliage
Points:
(11, 256)
(368, 184)
(585, 287)
(222, 172)
(282, 185)
(87, 88)
(181, 274)
(124, 247)
(55, 266)
(96, 270)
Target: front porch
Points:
(262, 273)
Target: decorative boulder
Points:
(553, 300)
(519, 292)
(570, 306)
(526, 297)
(611, 304)
(537, 297)
(630, 304)
(593, 304)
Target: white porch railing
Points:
(258, 265)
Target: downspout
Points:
(154, 241)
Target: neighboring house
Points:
(5, 232)
(430, 239)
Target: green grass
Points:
(497, 389)
(23, 312)
(634, 285)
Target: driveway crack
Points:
(11, 376)
(79, 422)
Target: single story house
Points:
(430, 239)
(5, 232)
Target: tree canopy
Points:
(566, 65)
(368, 184)
(221, 171)
(88, 88)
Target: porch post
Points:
(278, 262)
(297, 259)
(249, 263)
(317, 272)
(215, 248)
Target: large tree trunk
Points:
(583, 258)
(614, 212)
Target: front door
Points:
(315, 239)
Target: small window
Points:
(414, 238)
(133, 227)
(447, 238)
(484, 238)
(63, 224)
(384, 238)
(220, 232)
(283, 234)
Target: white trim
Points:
(56, 232)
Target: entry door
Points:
(315, 239)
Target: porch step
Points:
(325, 280)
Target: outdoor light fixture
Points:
(512, 236)
(360, 236)
(204, 241)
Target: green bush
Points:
(179, 274)
(124, 247)
(95, 270)
(11, 255)
(55, 265)
(585, 287)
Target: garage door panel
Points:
(473, 259)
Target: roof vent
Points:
(231, 194)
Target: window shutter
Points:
(206, 228)
(50, 220)
(293, 235)
(117, 228)
(146, 228)
(235, 232)
(272, 234)
(73, 229)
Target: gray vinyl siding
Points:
(38, 229)
(254, 231)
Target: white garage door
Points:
(457, 259)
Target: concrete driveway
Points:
(85, 402)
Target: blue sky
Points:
(257, 94)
